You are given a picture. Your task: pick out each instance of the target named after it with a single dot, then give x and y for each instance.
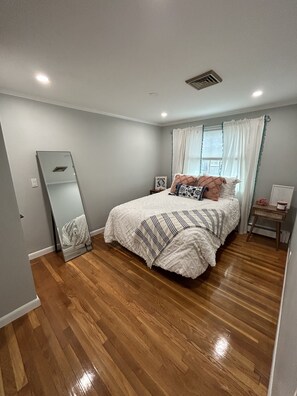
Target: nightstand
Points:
(268, 213)
(154, 191)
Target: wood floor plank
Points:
(108, 325)
(26, 391)
(37, 369)
(6, 365)
(200, 340)
(83, 384)
(115, 346)
(87, 364)
(62, 374)
(15, 357)
(33, 319)
(1, 384)
(107, 370)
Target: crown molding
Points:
(231, 113)
(171, 123)
(70, 106)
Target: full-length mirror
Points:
(69, 220)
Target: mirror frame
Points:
(57, 239)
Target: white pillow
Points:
(228, 188)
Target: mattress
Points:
(192, 250)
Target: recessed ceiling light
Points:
(164, 114)
(42, 78)
(257, 93)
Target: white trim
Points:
(41, 252)
(278, 326)
(75, 107)
(159, 124)
(17, 313)
(98, 231)
(243, 111)
(51, 249)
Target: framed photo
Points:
(160, 182)
(281, 193)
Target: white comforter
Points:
(192, 250)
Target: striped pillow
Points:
(183, 179)
(214, 186)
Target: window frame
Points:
(216, 128)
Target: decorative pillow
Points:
(228, 189)
(214, 186)
(183, 179)
(183, 190)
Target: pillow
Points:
(228, 189)
(183, 179)
(214, 186)
(183, 190)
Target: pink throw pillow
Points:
(214, 186)
(183, 179)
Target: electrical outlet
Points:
(34, 182)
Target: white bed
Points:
(192, 250)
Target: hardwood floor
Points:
(110, 326)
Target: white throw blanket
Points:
(192, 250)
(156, 232)
(76, 232)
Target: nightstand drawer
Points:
(269, 215)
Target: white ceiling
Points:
(108, 55)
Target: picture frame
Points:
(160, 182)
(281, 193)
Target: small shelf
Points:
(268, 212)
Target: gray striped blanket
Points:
(156, 232)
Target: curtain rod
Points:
(219, 126)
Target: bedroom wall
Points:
(279, 159)
(116, 160)
(283, 380)
(16, 281)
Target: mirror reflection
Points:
(68, 213)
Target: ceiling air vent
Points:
(60, 169)
(204, 80)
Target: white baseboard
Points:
(17, 313)
(98, 231)
(50, 249)
(41, 252)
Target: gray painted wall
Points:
(116, 160)
(283, 381)
(279, 159)
(16, 282)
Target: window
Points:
(212, 152)
(199, 150)
(204, 152)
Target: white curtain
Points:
(242, 144)
(187, 150)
